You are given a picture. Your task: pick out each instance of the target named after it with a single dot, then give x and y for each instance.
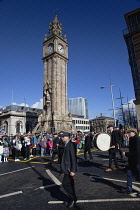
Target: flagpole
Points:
(12, 97)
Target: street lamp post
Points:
(112, 98)
(25, 116)
(129, 116)
(122, 108)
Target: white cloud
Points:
(38, 105)
(130, 103)
(22, 104)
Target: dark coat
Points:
(115, 140)
(69, 159)
(61, 146)
(134, 151)
(88, 142)
(55, 142)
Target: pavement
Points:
(35, 184)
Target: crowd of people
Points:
(28, 145)
(66, 146)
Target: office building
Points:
(78, 106)
(132, 39)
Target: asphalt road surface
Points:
(37, 185)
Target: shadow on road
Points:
(54, 191)
(82, 163)
(104, 181)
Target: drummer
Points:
(113, 149)
(87, 147)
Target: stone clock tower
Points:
(55, 115)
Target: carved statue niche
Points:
(47, 95)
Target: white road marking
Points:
(99, 200)
(56, 181)
(117, 160)
(10, 194)
(133, 195)
(116, 180)
(47, 186)
(136, 188)
(16, 171)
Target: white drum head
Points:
(103, 141)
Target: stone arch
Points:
(19, 127)
(6, 126)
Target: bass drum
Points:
(102, 141)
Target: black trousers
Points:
(89, 152)
(60, 154)
(53, 155)
(68, 184)
(16, 153)
(112, 155)
(27, 152)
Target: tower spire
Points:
(56, 12)
(55, 27)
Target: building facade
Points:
(55, 116)
(80, 123)
(99, 124)
(18, 119)
(78, 106)
(132, 39)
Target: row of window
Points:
(134, 67)
(136, 81)
(82, 128)
(80, 122)
(18, 127)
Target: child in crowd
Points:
(5, 151)
(50, 145)
(42, 145)
(1, 151)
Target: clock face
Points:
(60, 48)
(50, 48)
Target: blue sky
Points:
(96, 50)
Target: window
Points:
(6, 126)
(136, 81)
(131, 53)
(129, 41)
(18, 127)
(137, 94)
(134, 67)
(134, 19)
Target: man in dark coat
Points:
(133, 158)
(60, 147)
(55, 146)
(113, 148)
(69, 168)
(119, 137)
(87, 148)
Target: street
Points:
(35, 184)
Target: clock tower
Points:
(55, 115)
